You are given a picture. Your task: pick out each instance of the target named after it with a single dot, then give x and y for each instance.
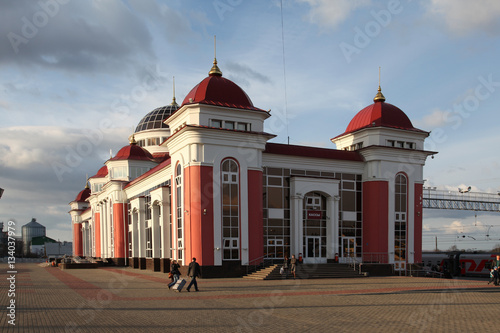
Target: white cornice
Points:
(393, 154)
(203, 135)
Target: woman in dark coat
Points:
(174, 269)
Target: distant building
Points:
(201, 180)
(59, 249)
(30, 230)
(3, 241)
(37, 245)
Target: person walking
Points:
(193, 272)
(495, 276)
(285, 267)
(293, 265)
(174, 269)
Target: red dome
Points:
(380, 114)
(216, 90)
(133, 152)
(103, 172)
(83, 195)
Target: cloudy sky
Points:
(77, 76)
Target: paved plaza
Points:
(49, 299)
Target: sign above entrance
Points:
(314, 215)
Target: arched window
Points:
(230, 210)
(400, 220)
(179, 213)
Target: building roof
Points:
(103, 172)
(83, 195)
(216, 90)
(380, 114)
(155, 118)
(133, 152)
(40, 240)
(304, 151)
(33, 224)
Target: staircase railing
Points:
(256, 263)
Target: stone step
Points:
(307, 271)
(261, 273)
(319, 271)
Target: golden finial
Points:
(215, 69)
(173, 99)
(87, 182)
(132, 140)
(379, 97)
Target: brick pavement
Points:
(127, 300)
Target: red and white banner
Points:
(314, 215)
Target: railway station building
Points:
(203, 179)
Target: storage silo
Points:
(30, 230)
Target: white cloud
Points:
(464, 16)
(455, 227)
(437, 118)
(329, 14)
(28, 147)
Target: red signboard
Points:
(314, 215)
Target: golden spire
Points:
(215, 69)
(173, 99)
(132, 140)
(87, 182)
(379, 97)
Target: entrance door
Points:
(348, 249)
(313, 249)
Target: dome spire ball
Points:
(215, 69)
(379, 97)
(132, 140)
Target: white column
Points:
(133, 229)
(332, 226)
(84, 240)
(141, 230)
(296, 224)
(330, 220)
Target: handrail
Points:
(260, 261)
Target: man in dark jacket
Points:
(193, 272)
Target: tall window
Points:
(230, 210)
(400, 221)
(178, 200)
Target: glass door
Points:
(313, 249)
(348, 249)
